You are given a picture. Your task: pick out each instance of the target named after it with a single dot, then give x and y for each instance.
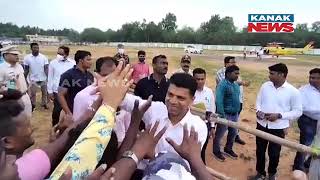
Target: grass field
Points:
(251, 70)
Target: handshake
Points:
(268, 116)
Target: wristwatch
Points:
(131, 155)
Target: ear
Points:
(191, 103)
(7, 142)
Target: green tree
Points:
(169, 22)
(316, 27)
(132, 32)
(186, 35)
(153, 32)
(92, 35)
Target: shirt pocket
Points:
(229, 91)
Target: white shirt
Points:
(56, 68)
(285, 100)
(158, 111)
(205, 96)
(180, 70)
(7, 72)
(310, 101)
(261, 52)
(36, 65)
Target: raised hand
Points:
(147, 141)
(114, 87)
(190, 148)
(137, 113)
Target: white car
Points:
(5, 43)
(194, 50)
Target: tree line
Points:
(217, 31)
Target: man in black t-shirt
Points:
(74, 80)
(156, 84)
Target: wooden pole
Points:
(261, 134)
(314, 170)
(218, 175)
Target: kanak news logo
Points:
(270, 23)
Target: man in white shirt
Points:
(278, 102)
(37, 65)
(58, 66)
(185, 65)
(12, 75)
(310, 95)
(229, 61)
(174, 114)
(260, 53)
(205, 96)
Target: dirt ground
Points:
(251, 70)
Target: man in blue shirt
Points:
(228, 106)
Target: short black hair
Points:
(9, 109)
(228, 58)
(33, 44)
(198, 71)
(103, 60)
(280, 68)
(141, 52)
(80, 54)
(11, 94)
(184, 80)
(155, 59)
(231, 69)
(66, 49)
(314, 71)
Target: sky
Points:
(105, 14)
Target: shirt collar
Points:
(230, 81)
(7, 64)
(203, 89)
(76, 67)
(181, 70)
(64, 60)
(34, 55)
(185, 118)
(314, 88)
(151, 78)
(284, 85)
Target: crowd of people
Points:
(123, 122)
